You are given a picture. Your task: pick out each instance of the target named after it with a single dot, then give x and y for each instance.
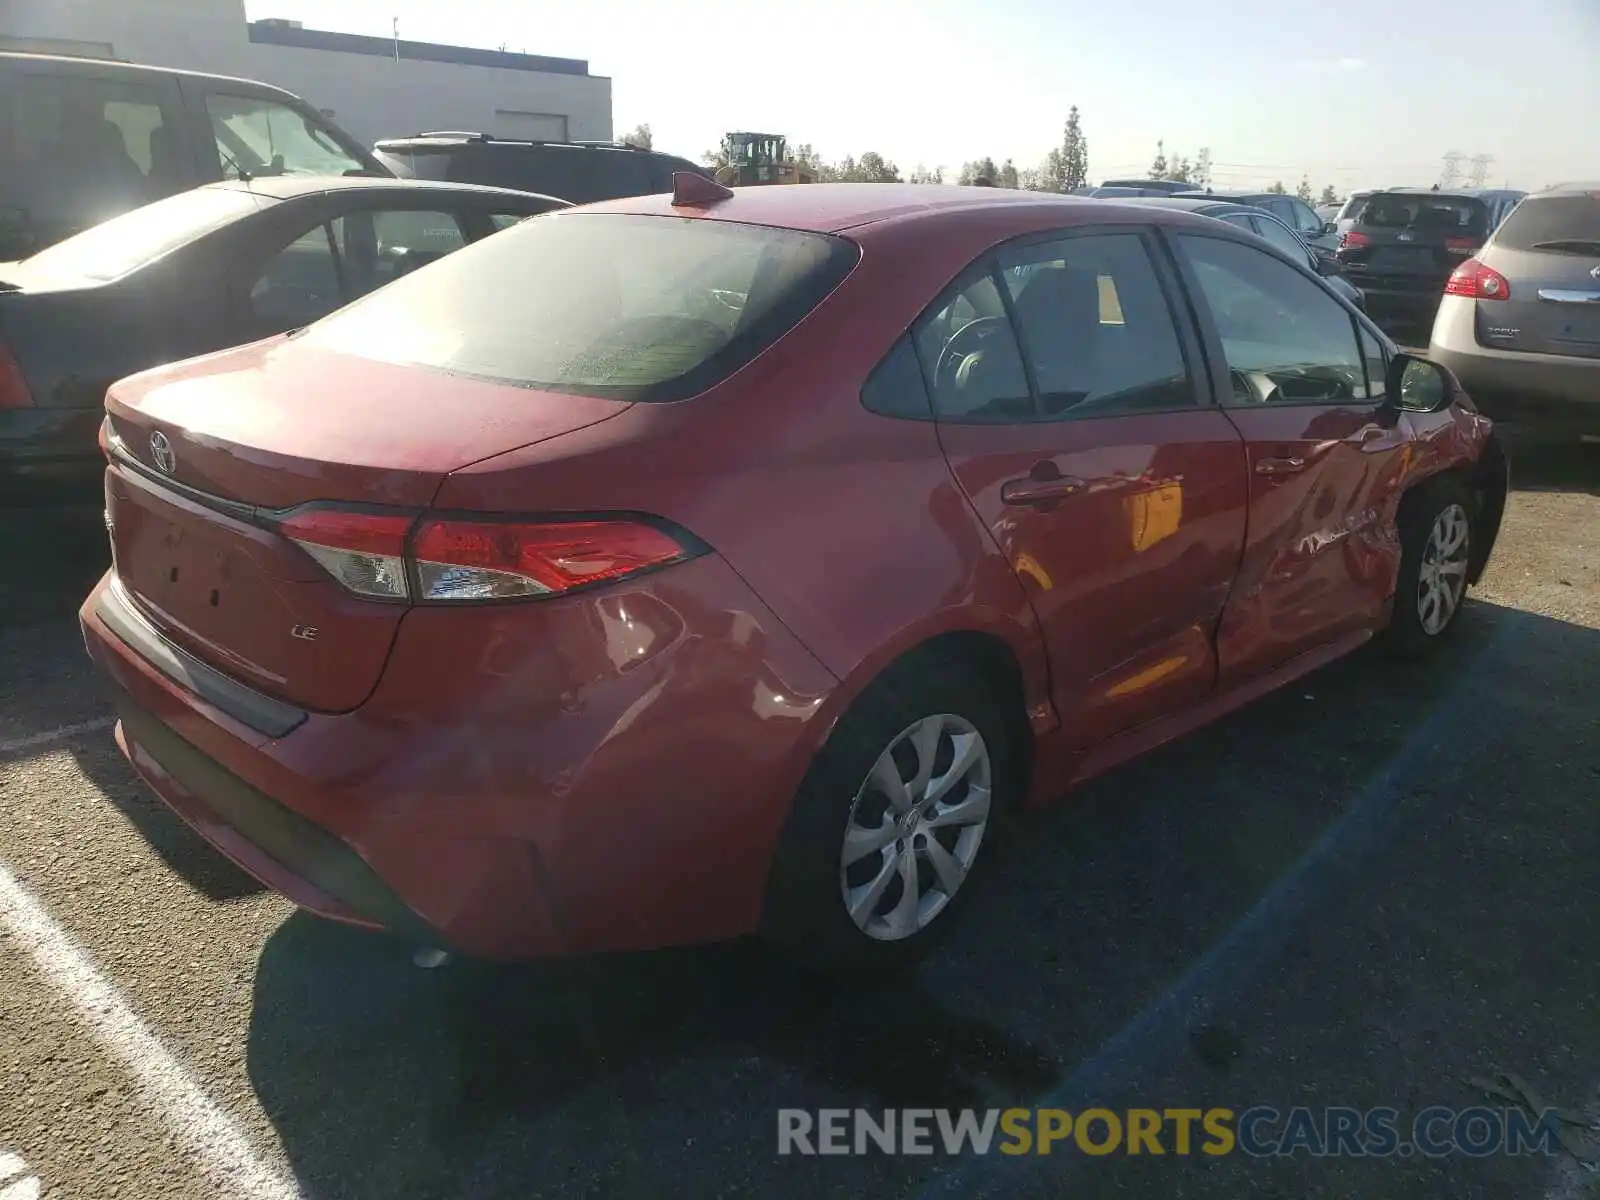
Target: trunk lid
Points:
(1549, 252)
(219, 446)
(1414, 237)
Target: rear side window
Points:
(1096, 327)
(78, 150)
(1426, 211)
(896, 387)
(1283, 238)
(625, 307)
(1554, 224)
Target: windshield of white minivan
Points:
(258, 137)
(117, 246)
(620, 306)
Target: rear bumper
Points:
(526, 780)
(1513, 386)
(55, 446)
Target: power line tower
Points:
(1451, 175)
(1480, 169)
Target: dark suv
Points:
(1403, 243)
(578, 172)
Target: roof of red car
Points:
(832, 207)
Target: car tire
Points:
(922, 706)
(1436, 545)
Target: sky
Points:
(1365, 92)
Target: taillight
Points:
(1460, 245)
(14, 391)
(379, 555)
(1352, 239)
(1478, 282)
(492, 560)
(364, 551)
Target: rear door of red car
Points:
(1306, 381)
(1074, 411)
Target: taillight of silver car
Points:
(439, 559)
(1478, 282)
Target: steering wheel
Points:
(962, 343)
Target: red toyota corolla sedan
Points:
(681, 567)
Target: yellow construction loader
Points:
(759, 158)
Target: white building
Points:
(372, 87)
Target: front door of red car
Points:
(1073, 412)
(1307, 380)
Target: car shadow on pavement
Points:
(184, 851)
(51, 556)
(639, 1074)
(1545, 463)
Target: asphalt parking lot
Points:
(1362, 891)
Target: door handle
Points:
(1030, 490)
(1279, 466)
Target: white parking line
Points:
(13, 1188)
(11, 745)
(202, 1128)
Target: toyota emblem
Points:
(161, 453)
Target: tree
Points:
(871, 168)
(922, 174)
(1008, 175)
(1180, 169)
(1304, 190)
(1074, 156)
(1033, 178)
(805, 157)
(1329, 196)
(640, 136)
(1052, 177)
(1159, 168)
(1200, 176)
(1277, 189)
(979, 168)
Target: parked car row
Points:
(83, 140)
(176, 213)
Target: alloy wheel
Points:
(915, 827)
(1442, 579)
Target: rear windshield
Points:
(1422, 212)
(122, 244)
(598, 304)
(1558, 224)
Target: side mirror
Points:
(1330, 227)
(1416, 385)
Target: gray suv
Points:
(1520, 321)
